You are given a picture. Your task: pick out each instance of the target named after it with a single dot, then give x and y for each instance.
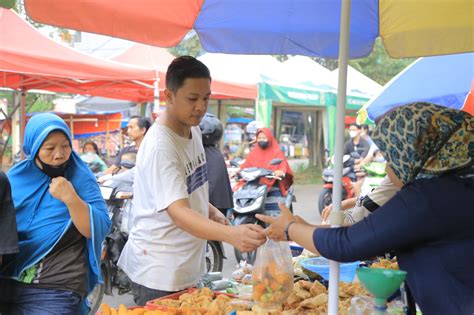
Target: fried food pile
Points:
(201, 302)
(105, 309)
(385, 264)
(312, 298)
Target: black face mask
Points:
(53, 171)
(263, 144)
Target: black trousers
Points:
(142, 294)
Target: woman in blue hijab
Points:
(62, 221)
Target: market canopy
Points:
(30, 60)
(442, 80)
(358, 83)
(302, 27)
(158, 59)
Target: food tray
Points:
(175, 296)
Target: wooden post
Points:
(71, 126)
(107, 134)
(22, 122)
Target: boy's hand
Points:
(248, 237)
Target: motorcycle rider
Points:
(356, 143)
(220, 191)
(249, 140)
(267, 149)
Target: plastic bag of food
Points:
(272, 275)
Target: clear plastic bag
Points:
(272, 275)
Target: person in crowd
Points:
(356, 144)
(374, 153)
(266, 149)
(172, 217)
(90, 155)
(430, 155)
(8, 232)
(62, 221)
(136, 130)
(359, 207)
(220, 191)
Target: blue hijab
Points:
(42, 219)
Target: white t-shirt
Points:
(158, 254)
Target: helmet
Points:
(252, 128)
(211, 129)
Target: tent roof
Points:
(102, 105)
(151, 57)
(358, 82)
(304, 69)
(159, 58)
(244, 69)
(33, 61)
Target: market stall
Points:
(408, 28)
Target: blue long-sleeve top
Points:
(430, 226)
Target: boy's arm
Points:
(244, 237)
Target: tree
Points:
(379, 66)
(190, 45)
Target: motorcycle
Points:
(250, 198)
(117, 193)
(374, 175)
(349, 177)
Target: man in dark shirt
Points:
(8, 232)
(136, 130)
(356, 143)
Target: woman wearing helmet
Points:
(220, 191)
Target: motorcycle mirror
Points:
(276, 161)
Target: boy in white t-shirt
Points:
(171, 215)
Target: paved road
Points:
(306, 207)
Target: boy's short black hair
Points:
(355, 125)
(365, 127)
(182, 68)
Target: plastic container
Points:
(296, 249)
(320, 265)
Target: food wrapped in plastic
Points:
(272, 275)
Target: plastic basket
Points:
(320, 265)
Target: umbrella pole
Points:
(336, 215)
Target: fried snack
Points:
(301, 293)
(168, 302)
(349, 290)
(305, 284)
(317, 288)
(316, 301)
(385, 264)
(105, 309)
(122, 310)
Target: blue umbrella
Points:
(443, 80)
